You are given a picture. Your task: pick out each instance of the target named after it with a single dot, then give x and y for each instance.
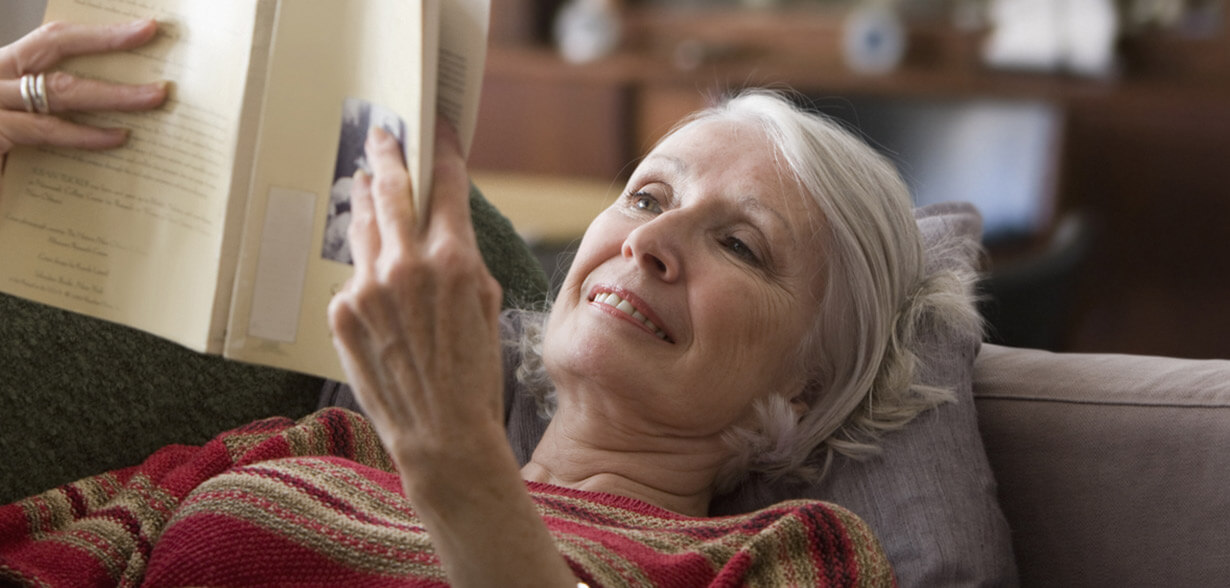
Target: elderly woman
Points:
(749, 304)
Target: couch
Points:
(1112, 470)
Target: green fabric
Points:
(508, 257)
(79, 396)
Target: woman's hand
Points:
(417, 329)
(417, 326)
(26, 121)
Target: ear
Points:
(798, 405)
(798, 402)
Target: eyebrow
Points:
(680, 166)
(752, 204)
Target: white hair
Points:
(876, 302)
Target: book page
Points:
(459, 75)
(463, 55)
(133, 235)
(336, 69)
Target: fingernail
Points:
(155, 93)
(379, 135)
(119, 135)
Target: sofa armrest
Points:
(1112, 469)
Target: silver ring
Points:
(40, 95)
(27, 92)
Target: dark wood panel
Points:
(555, 127)
(1156, 173)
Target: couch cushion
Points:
(1113, 469)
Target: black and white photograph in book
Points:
(358, 116)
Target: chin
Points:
(577, 346)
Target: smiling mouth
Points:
(614, 301)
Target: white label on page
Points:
(277, 294)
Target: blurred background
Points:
(1094, 135)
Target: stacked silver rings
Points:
(34, 93)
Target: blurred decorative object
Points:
(1148, 13)
(969, 15)
(1091, 30)
(1025, 35)
(873, 40)
(587, 30)
(1078, 36)
(1200, 19)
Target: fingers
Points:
(22, 128)
(68, 93)
(450, 191)
(417, 325)
(54, 41)
(390, 192)
(44, 48)
(391, 244)
(363, 234)
(391, 199)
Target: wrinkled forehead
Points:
(733, 146)
(737, 155)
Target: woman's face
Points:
(712, 256)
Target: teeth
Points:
(611, 299)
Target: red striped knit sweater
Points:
(316, 504)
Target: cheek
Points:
(768, 325)
(758, 312)
(549, 341)
(602, 241)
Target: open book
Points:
(221, 224)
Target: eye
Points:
(645, 201)
(741, 249)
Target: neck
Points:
(597, 454)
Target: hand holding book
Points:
(30, 97)
(417, 325)
(220, 222)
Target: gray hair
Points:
(876, 303)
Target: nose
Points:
(656, 247)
